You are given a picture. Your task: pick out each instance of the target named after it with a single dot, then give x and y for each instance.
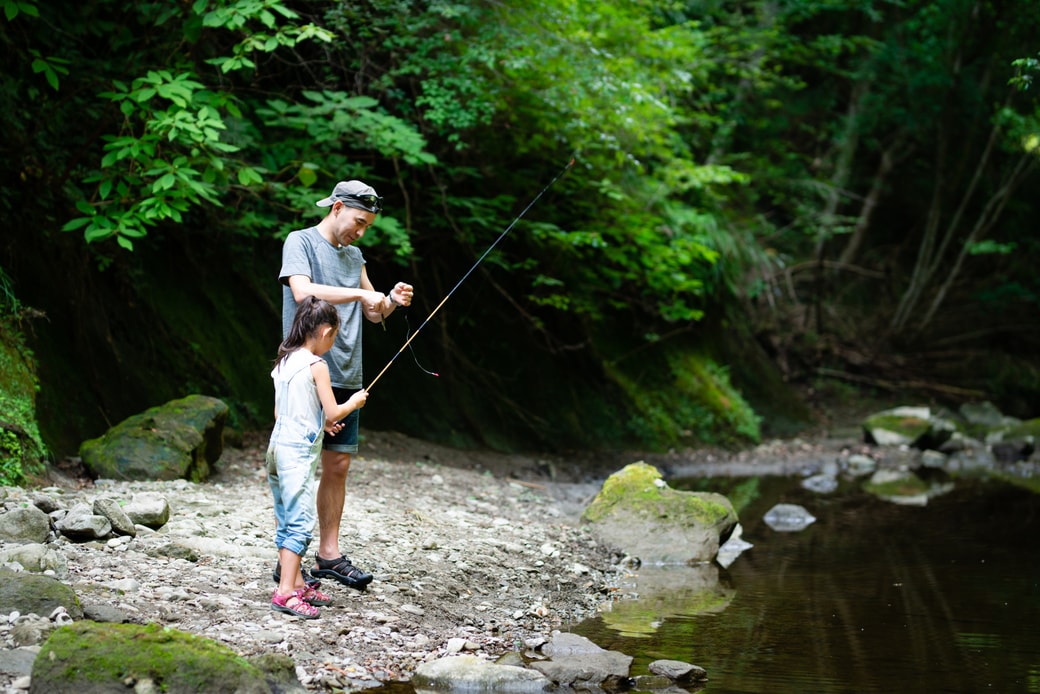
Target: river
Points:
(871, 597)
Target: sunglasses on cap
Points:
(372, 203)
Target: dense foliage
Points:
(844, 185)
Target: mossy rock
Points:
(901, 426)
(181, 439)
(1028, 430)
(103, 657)
(638, 512)
(33, 593)
(894, 484)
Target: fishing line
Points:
(468, 273)
(411, 348)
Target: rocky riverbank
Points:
(473, 552)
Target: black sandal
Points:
(312, 583)
(342, 570)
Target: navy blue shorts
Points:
(346, 441)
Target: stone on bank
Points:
(181, 439)
(95, 657)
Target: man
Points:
(321, 261)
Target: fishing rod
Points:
(469, 272)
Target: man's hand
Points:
(401, 294)
(375, 303)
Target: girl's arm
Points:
(333, 410)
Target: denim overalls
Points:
(295, 449)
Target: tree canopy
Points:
(840, 188)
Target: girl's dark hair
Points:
(311, 314)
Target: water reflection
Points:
(872, 597)
(655, 594)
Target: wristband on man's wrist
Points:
(393, 300)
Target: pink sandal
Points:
(313, 596)
(299, 606)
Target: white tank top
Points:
(300, 417)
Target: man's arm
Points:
(375, 311)
(374, 304)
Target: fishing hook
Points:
(469, 272)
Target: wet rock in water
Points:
(577, 662)
(933, 459)
(678, 671)
(908, 488)
(788, 518)
(821, 484)
(858, 465)
(900, 426)
(469, 673)
(733, 547)
(637, 511)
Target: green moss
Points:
(637, 487)
(1027, 429)
(908, 485)
(90, 652)
(908, 426)
(22, 452)
(685, 399)
(1031, 484)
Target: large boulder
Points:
(638, 512)
(179, 440)
(103, 657)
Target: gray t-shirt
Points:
(306, 252)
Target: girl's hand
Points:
(359, 398)
(333, 428)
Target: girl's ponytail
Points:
(311, 314)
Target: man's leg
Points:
(332, 490)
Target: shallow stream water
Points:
(871, 597)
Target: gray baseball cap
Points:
(354, 194)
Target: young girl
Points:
(303, 403)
